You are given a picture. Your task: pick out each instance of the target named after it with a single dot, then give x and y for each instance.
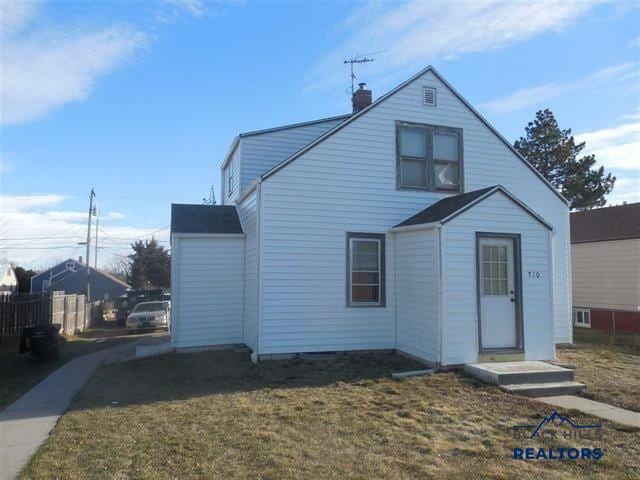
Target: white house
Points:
(411, 224)
(8, 279)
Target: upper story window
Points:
(429, 157)
(70, 265)
(230, 179)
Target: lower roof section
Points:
(205, 219)
(446, 209)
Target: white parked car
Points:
(149, 316)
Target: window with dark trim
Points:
(365, 269)
(429, 157)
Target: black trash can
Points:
(41, 341)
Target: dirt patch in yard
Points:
(611, 372)
(216, 415)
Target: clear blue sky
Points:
(141, 100)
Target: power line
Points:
(136, 237)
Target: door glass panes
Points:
(494, 270)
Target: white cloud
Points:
(421, 32)
(16, 203)
(34, 234)
(535, 96)
(14, 14)
(44, 70)
(617, 148)
(196, 8)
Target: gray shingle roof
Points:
(443, 208)
(607, 223)
(449, 207)
(204, 219)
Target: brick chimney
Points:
(361, 98)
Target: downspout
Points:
(552, 293)
(255, 355)
(439, 352)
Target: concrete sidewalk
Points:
(26, 424)
(597, 409)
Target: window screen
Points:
(365, 269)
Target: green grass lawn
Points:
(19, 373)
(611, 372)
(217, 415)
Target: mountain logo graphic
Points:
(554, 419)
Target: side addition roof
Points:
(208, 219)
(450, 207)
(608, 223)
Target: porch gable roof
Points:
(450, 207)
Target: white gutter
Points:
(227, 157)
(208, 235)
(412, 228)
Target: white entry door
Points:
(498, 300)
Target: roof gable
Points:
(205, 219)
(381, 99)
(450, 207)
(607, 223)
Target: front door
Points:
(497, 293)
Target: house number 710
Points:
(533, 274)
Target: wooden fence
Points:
(23, 309)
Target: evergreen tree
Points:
(24, 279)
(555, 154)
(150, 265)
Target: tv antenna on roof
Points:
(352, 62)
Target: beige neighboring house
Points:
(605, 255)
(8, 279)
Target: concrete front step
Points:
(515, 373)
(550, 389)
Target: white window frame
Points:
(429, 132)
(45, 285)
(70, 265)
(580, 312)
(230, 179)
(366, 237)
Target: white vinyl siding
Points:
(231, 178)
(264, 151)
(607, 274)
(248, 212)
(348, 183)
(417, 293)
(207, 290)
(496, 214)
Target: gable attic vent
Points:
(429, 96)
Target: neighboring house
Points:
(410, 224)
(605, 260)
(70, 276)
(8, 279)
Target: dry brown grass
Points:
(215, 415)
(19, 372)
(611, 372)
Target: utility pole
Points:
(88, 260)
(352, 62)
(97, 212)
